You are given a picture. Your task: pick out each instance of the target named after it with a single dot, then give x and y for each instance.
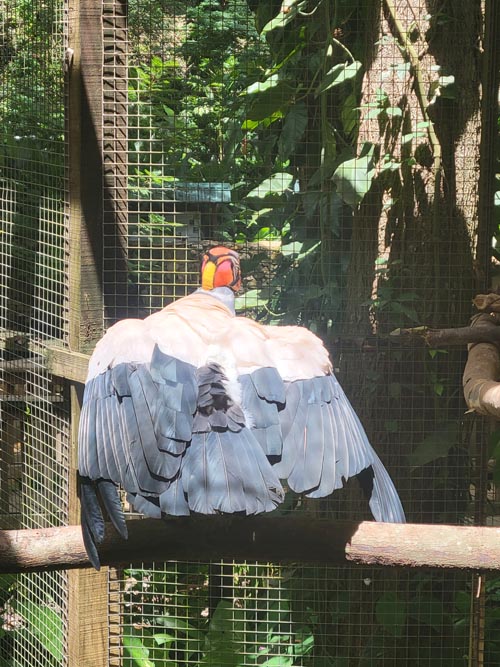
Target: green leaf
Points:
(225, 636)
(394, 112)
(284, 17)
(47, 626)
(134, 649)
(274, 186)
(278, 661)
(391, 613)
(254, 298)
(353, 178)
(299, 250)
(337, 75)
(269, 97)
(404, 309)
(350, 114)
(163, 639)
(428, 611)
(408, 138)
(435, 446)
(293, 130)
(261, 86)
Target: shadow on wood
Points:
(262, 539)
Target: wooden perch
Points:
(487, 332)
(259, 538)
(481, 374)
(487, 302)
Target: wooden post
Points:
(87, 590)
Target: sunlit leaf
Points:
(251, 299)
(353, 178)
(261, 86)
(266, 103)
(274, 186)
(287, 13)
(337, 75)
(47, 626)
(278, 661)
(134, 649)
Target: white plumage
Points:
(196, 410)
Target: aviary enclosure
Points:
(348, 149)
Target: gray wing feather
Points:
(324, 444)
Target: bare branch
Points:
(487, 332)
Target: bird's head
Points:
(220, 267)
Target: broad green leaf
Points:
(251, 299)
(136, 654)
(173, 623)
(299, 250)
(6, 581)
(404, 309)
(266, 233)
(274, 186)
(391, 613)
(278, 661)
(294, 126)
(429, 611)
(249, 125)
(261, 86)
(287, 13)
(331, 208)
(435, 446)
(350, 114)
(268, 102)
(337, 75)
(47, 626)
(353, 178)
(324, 172)
(303, 645)
(163, 639)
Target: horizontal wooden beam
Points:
(282, 539)
(67, 364)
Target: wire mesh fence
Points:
(335, 144)
(246, 122)
(34, 450)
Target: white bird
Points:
(194, 409)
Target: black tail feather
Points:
(92, 494)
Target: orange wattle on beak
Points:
(220, 268)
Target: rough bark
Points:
(264, 539)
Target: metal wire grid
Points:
(292, 615)
(34, 415)
(408, 398)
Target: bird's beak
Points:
(208, 275)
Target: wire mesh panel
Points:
(33, 312)
(335, 143)
(262, 614)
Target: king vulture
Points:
(194, 409)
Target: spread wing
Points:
(169, 431)
(195, 410)
(305, 422)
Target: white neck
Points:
(224, 294)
